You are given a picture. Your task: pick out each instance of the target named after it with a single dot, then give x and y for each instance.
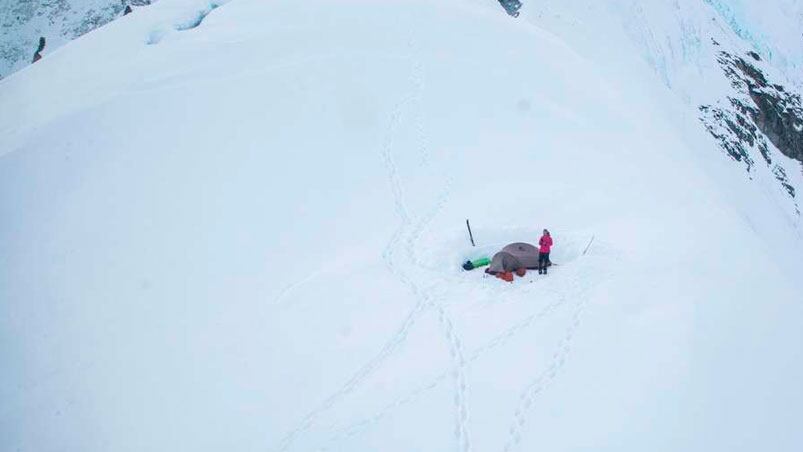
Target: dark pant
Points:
(543, 261)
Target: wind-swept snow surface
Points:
(247, 235)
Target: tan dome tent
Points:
(514, 257)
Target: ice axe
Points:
(476, 263)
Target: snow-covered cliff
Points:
(736, 62)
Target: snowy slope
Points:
(246, 235)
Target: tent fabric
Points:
(513, 257)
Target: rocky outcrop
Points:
(511, 6)
(759, 113)
(777, 113)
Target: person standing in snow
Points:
(545, 246)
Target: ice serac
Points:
(239, 226)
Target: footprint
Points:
(155, 36)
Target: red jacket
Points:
(546, 244)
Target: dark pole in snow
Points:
(589, 245)
(470, 235)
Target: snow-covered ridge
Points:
(23, 22)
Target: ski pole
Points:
(470, 235)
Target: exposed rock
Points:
(38, 54)
(511, 6)
(777, 113)
(733, 138)
(759, 113)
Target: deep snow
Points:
(247, 236)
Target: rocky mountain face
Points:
(760, 115)
(24, 22)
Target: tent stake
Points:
(470, 235)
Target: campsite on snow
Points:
(401, 225)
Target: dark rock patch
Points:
(777, 113)
(512, 7)
(758, 113)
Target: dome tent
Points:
(514, 257)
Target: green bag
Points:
(476, 263)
